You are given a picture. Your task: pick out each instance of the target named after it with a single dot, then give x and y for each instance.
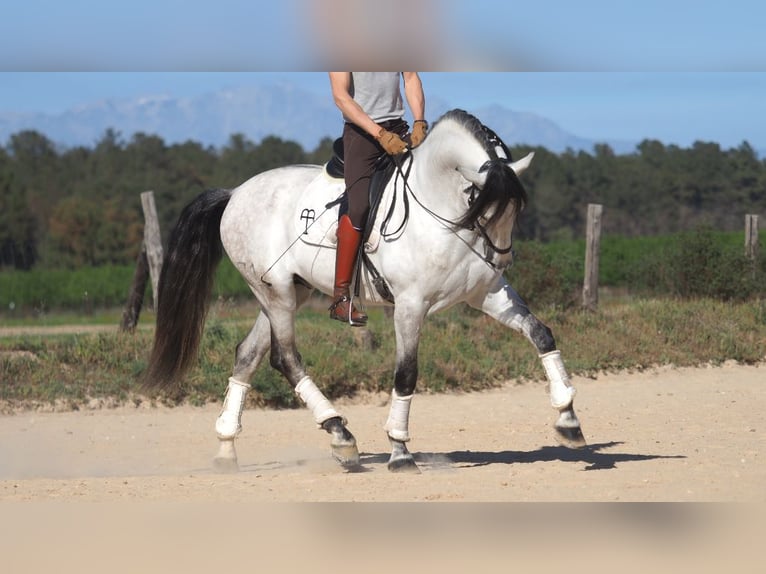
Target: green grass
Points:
(460, 350)
(685, 300)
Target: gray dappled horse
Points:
(442, 236)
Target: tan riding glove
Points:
(419, 131)
(390, 142)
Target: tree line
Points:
(62, 208)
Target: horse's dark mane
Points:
(502, 187)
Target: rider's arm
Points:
(341, 93)
(413, 91)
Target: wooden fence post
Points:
(148, 265)
(136, 296)
(152, 241)
(592, 246)
(751, 236)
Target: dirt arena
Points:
(670, 435)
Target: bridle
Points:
(492, 144)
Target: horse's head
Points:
(485, 164)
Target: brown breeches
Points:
(361, 152)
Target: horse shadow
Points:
(592, 455)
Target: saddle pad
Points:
(315, 223)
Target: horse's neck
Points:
(452, 147)
(436, 162)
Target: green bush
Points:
(85, 289)
(39, 291)
(229, 283)
(699, 264)
(545, 276)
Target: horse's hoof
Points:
(404, 465)
(571, 437)
(225, 460)
(346, 455)
(568, 429)
(343, 443)
(225, 465)
(401, 460)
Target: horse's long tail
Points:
(186, 281)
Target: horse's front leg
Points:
(408, 320)
(504, 304)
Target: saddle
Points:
(384, 170)
(334, 167)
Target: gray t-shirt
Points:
(378, 94)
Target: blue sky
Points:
(678, 70)
(674, 107)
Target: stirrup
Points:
(361, 319)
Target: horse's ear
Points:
(475, 177)
(522, 164)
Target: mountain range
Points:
(283, 110)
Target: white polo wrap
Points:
(562, 393)
(229, 423)
(397, 425)
(317, 403)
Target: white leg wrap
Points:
(229, 423)
(397, 425)
(562, 393)
(317, 403)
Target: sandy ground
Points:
(661, 435)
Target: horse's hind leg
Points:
(228, 425)
(505, 305)
(286, 359)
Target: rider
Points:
(372, 107)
